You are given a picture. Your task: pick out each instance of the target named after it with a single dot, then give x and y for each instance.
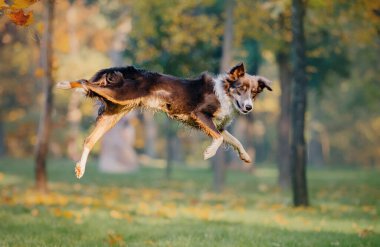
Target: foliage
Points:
(167, 32)
(145, 209)
(184, 38)
(16, 11)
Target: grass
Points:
(145, 209)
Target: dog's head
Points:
(243, 88)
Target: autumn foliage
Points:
(17, 11)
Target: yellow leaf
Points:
(115, 239)
(39, 72)
(68, 214)
(116, 214)
(3, 4)
(22, 4)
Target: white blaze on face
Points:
(247, 102)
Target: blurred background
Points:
(185, 38)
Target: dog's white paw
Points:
(79, 170)
(209, 152)
(245, 157)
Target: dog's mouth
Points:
(240, 108)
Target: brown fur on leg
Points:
(206, 124)
(103, 123)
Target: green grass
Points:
(145, 209)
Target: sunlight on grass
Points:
(146, 209)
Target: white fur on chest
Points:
(225, 114)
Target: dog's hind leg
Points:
(207, 126)
(103, 123)
(230, 139)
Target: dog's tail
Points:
(70, 84)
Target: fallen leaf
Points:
(34, 212)
(116, 214)
(115, 239)
(365, 232)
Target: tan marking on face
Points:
(249, 82)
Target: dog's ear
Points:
(114, 77)
(264, 83)
(236, 72)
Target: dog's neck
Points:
(227, 109)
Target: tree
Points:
(298, 102)
(44, 128)
(219, 161)
(271, 25)
(283, 127)
(121, 157)
(74, 114)
(2, 136)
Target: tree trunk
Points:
(283, 127)
(118, 154)
(227, 37)
(170, 147)
(254, 64)
(2, 137)
(219, 168)
(44, 128)
(319, 143)
(299, 99)
(150, 134)
(219, 161)
(74, 114)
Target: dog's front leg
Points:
(230, 139)
(205, 123)
(103, 123)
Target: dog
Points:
(208, 103)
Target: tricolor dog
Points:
(207, 103)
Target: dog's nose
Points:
(248, 107)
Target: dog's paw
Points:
(209, 152)
(79, 170)
(245, 157)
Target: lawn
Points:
(145, 209)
